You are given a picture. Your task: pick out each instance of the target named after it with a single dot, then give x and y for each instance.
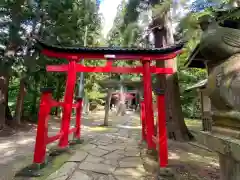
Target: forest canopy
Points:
(64, 22)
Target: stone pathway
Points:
(108, 156)
(17, 150)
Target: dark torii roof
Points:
(112, 83)
(107, 50)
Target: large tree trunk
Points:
(20, 99)
(10, 51)
(163, 36)
(33, 110)
(30, 63)
(4, 79)
(34, 105)
(8, 114)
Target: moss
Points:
(55, 160)
(193, 122)
(228, 114)
(53, 166)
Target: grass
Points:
(194, 125)
(192, 122)
(53, 166)
(99, 129)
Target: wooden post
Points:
(107, 107)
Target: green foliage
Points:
(190, 100)
(70, 31)
(160, 9)
(59, 22)
(189, 26)
(92, 88)
(123, 31)
(115, 35)
(63, 22)
(131, 12)
(131, 35)
(126, 33)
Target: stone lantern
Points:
(205, 104)
(219, 52)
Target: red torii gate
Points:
(74, 55)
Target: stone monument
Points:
(219, 52)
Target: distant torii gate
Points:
(74, 55)
(115, 84)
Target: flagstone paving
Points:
(115, 154)
(108, 156)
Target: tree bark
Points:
(163, 37)
(4, 80)
(30, 63)
(107, 107)
(20, 99)
(8, 114)
(34, 102)
(10, 51)
(58, 96)
(33, 110)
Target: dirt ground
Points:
(193, 162)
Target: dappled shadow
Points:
(14, 129)
(19, 146)
(6, 132)
(56, 158)
(194, 125)
(132, 172)
(129, 127)
(185, 158)
(194, 160)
